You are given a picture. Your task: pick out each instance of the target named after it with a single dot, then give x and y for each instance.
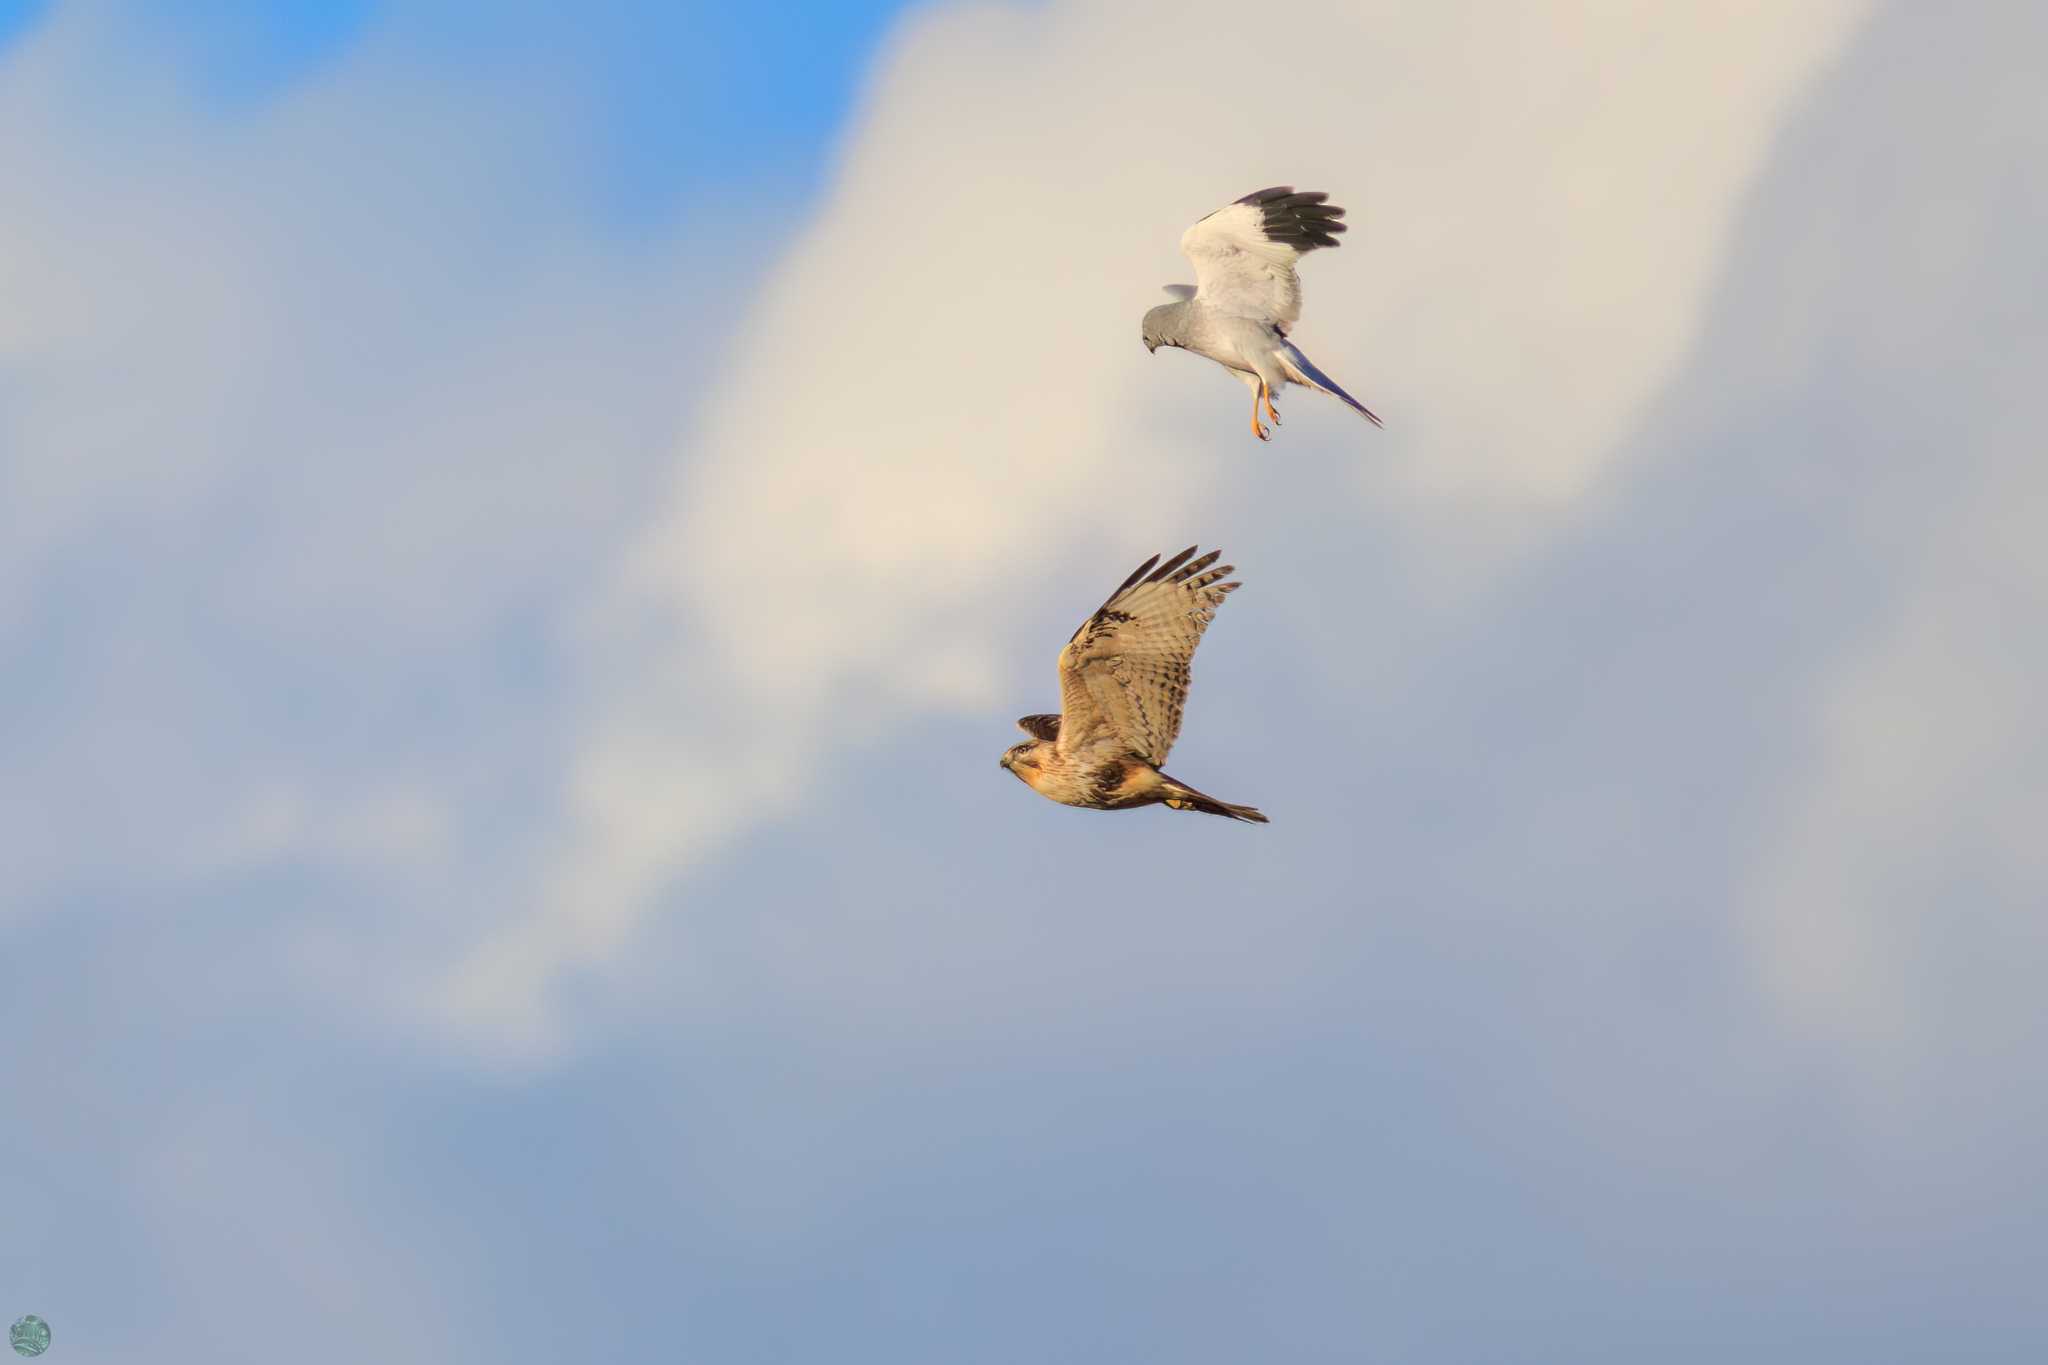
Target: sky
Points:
(522, 539)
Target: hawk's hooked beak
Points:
(1004, 762)
(1151, 347)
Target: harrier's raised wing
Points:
(1244, 253)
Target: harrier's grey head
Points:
(1166, 324)
(1155, 327)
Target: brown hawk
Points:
(1123, 679)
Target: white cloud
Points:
(309, 417)
(940, 410)
(332, 670)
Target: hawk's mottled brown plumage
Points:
(1123, 682)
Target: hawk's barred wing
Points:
(1124, 675)
(1040, 727)
(1244, 254)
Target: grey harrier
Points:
(1123, 678)
(1245, 295)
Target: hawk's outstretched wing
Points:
(1244, 253)
(1124, 674)
(1040, 727)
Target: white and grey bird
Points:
(1246, 297)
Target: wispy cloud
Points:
(940, 400)
(442, 627)
(315, 419)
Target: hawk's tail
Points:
(1302, 370)
(1180, 796)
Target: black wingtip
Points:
(1303, 221)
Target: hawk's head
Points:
(1027, 760)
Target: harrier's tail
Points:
(1180, 796)
(1302, 370)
